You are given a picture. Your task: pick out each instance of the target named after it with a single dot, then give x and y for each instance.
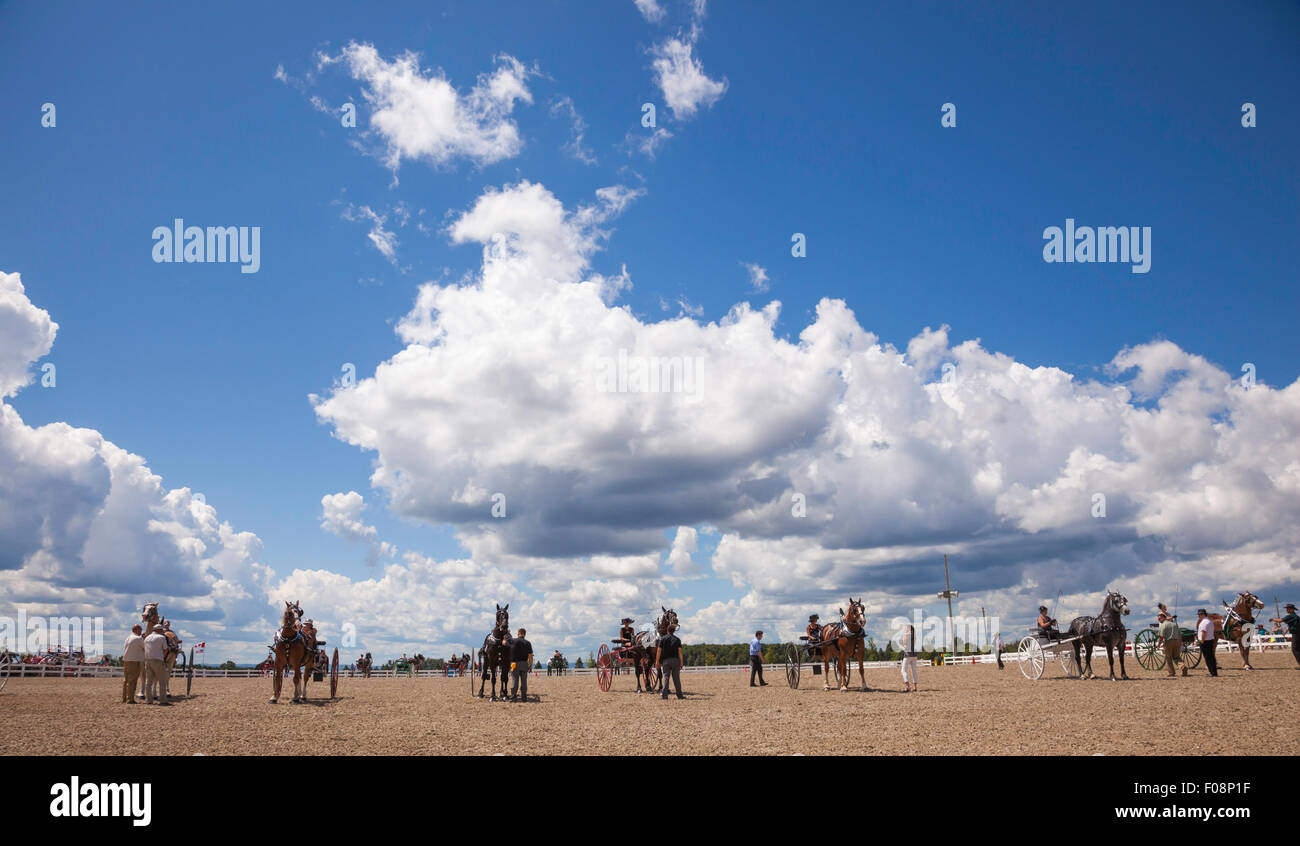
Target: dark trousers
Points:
(999, 658)
(672, 670)
(1295, 647)
(756, 670)
(519, 681)
(1207, 652)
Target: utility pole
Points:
(948, 594)
(984, 627)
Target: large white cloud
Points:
(897, 456)
(87, 528)
(423, 116)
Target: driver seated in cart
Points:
(814, 632)
(626, 634)
(1047, 625)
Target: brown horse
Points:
(364, 664)
(456, 665)
(845, 641)
(1238, 624)
(417, 664)
(292, 650)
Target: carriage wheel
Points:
(1191, 655)
(653, 677)
(469, 671)
(189, 673)
(1148, 655)
(334, 675)
(1071, 666)
(6, 667)
(1032, 659)
(793, 660)
(604, 668)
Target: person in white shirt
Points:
(997, 648)
(908, 665)
(1205, 637)
(132, 664)
(155, 668)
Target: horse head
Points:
(503, 619)
(292, 613)
(856, 616)
(1116, 604)
(149, 612)
(667, 621)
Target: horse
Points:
(1239, 623)
(417, 664)
(645, 647)
(363, 665)
(456, 664)
(292, 650)
(494, 654)
(1106, 628)
(845, 641)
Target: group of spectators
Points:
(1170, 638)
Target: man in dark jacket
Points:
(668, 658)
(521, 662)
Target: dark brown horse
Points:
(292, 650)
(845, 641)
(457, 665)
(364, 663)
(494, 655)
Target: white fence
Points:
(1261, 643)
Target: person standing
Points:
(521, 661)
(1205, 637)
(668, 659)
(908, 664)
(132, 663)
(756, 660)
(997, 648)
(1292, 623)
(155, 668)
(1170, 637)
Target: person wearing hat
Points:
(814, 632)
(1170, 638)
(1206, 638)
(1292, 622)
(521, 663)
(626, 634)
(756, 660)
(155, 668)
(132, 663)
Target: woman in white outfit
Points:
(908, 665)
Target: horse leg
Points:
(1110, 659)
(862, 673)
(826, 669)
(1122, 672)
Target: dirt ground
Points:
(960, 710)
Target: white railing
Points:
(1260, 643)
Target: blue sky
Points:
(829, 126)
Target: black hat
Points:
(1201, 611)
(812, 617)
(1043, 608)
(627, 620)
(1290, 606)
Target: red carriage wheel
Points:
(604, 668)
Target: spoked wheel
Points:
(653, 677)
(839, 675)
(1068, 663)
(189, 673)
(6, 667)
(793, 662)
(604, 668)
(471, 670)
(334, 675)
(1148, 655)
(1191, 655)
(1032, 658)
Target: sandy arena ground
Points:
(960, 710)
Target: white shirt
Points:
(154, 645)
(134, 648)
(1205, 629)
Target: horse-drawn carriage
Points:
(810, 650)
(1151, 657)
(633, 658)
(9, 662)
(838, 644)
(1037, 649)
(298, 648)
(1073, 649)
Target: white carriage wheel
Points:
(1032, 660)
(1071, 667)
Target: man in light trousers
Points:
(1170, 637)
(132, 664)
(155, 668)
